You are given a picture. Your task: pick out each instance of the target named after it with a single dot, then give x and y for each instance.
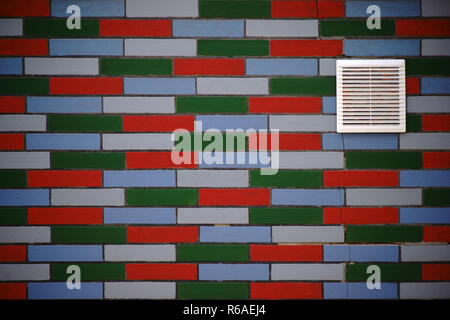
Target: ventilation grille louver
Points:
(371, 96)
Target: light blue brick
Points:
(64, 104)
(390, 8)
(436, 85)
(11, 66)
(139, 178)
(90, 8)
(301, 67)
(223, 123)
(159, 86)
(425, 215)
(234, 234)
(65, 253)
(59, 290)
(329, 105)
(334, 290)
(359, 48)
(24, 197)
(358, 290)
(63, 141)
(220, 272)
(139, 216)
(208, 28)
(250, 160)
(360, 253)
(86, 47)
(425, 178)
(308, 197)
(335, 141)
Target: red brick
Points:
(331, 8)
(310, 48)
(436, 160)
(285, 104)
(157, 123)
(13, 253)
(157, 160)
(135, 28)
(79, 215)
(436, 272)
(360, 215)
(161, 271)
(162, 234)
(86, 86)
(285, 290)
(13, 291)
(25, 8)
(436, 234)
(423, 27)
(23, 47)
(219, 67)
(311, 253)
(360, 178)
(12, 141)
(294, 9)
(287, 141)
(412, 86)
(12, 104)
(234, 197)
(64, 178)
(435, 122)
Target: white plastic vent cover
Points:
(370, 95)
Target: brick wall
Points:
(86, 172)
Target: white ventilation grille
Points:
(370, 95)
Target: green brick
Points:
(291, 216)
(383, 160)
(349, 28)
(235, 9)
(383, 234)
(13, 178)
(287, 178)
(90, 271)
(58, 28)
(88, 160)
(213, 290)
(24, 86)
(13, 216)
(314, 86)
(143, 67)
(89, 234)
(389, 272)
(427, 66)
(413, 123)
(161, 197)
(212, 253)
(212, 105)
(436, 197)
(233, 48)
(179, 144)
(84, 123)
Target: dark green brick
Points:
(315, 86)
(206, 143)
(58, 28)
(427, 66)
(235, 8)
(384, 234)
(389, 272)
(24, 86)
(213, 290)
(112, 66)
(90, 271)
(89, 234)
(413, 123)
(212, 252)
(84, 123)
(436, 197)
(212, 104)
(161, 197)
(287, 178)
(383, 160)
(348, 28)
(87, 160)
(13, 178)
(233, 48)
(285, 216)
(13, 216)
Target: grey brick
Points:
(427, 141)
(212, 216)
(61, 66)
(327, 67)
(435, 8)
(162, 8)
(425, 253)
(311, 160)
(428, 104)
(137, 141)
(24, 272)
(140, 290)
(436, 47)
(22, 122)
(313, 123)
(307, 234)
(232, 85)
(282, 28)
(424, 290)
(140, 252)
(24, 160)
(383, 197)
(212, 178)
(24, 234)
(88, 197)
(309, 271)
(11, 27)
(139, 105)
(160, 47)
